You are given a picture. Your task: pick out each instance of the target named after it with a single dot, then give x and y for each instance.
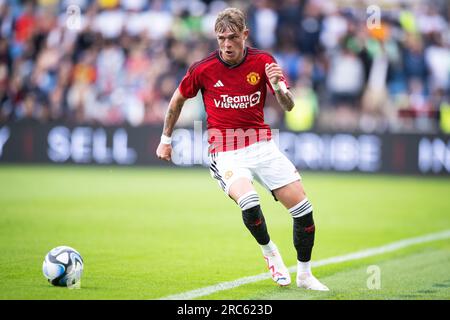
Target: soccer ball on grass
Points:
(63, 266)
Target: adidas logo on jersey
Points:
(218, 84)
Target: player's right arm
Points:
(187, 89)
(164, 150)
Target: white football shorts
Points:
(261, 160)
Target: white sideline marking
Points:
(188, 295)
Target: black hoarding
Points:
(315, 151)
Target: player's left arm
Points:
(284, 96)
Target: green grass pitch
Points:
(147, 233)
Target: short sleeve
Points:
(267, 58)
(190, 84)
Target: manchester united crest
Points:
(253, 78)
(228, 174)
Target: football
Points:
(63, 266)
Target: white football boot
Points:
(308, 281)
(278, 271)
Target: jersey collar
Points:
(231, 66)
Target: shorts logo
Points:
(253, 78)
(228, 174)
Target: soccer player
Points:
(233, 81)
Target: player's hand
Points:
(164, 151)
(274, 72)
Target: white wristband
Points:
(283, 86)
(165, 139)
(279, 86)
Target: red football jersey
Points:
(233, 96)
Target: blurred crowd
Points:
(116, 62)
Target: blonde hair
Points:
(231, 18)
